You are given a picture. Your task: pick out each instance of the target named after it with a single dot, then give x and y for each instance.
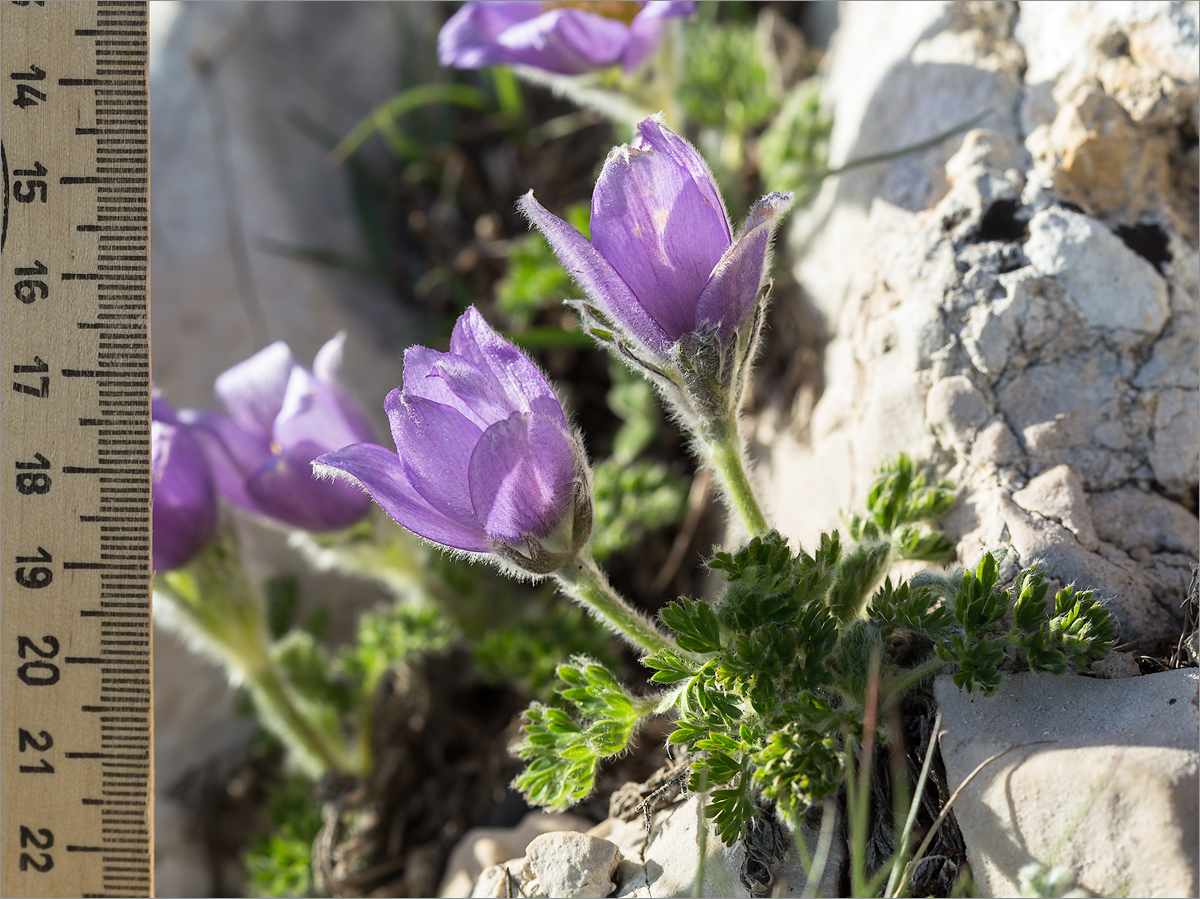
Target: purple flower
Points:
(565, 38)
(184, 496)
(485, 462)
(663, 262)
(281, 417)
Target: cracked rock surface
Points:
(1020, 305)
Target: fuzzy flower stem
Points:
(585, 583)
(217, 607)
(723, 447)
(277, 703)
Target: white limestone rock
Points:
(482, 847)
(979, 319)
(563, 864)
(1101, 779)
(1113, 286)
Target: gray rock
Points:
(1058, 494)
(1111, 793)
(983, 325)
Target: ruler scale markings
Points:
(76, 153)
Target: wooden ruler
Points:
(75, 637)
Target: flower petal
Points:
(233, 453)
(731, 293)
(653, 133)
(659, 231)
(286, 490)
(327, 364)
(435, 444)
(312, 411)
(252, 391)
(379, 472)
(327, 367)
(599, 280)
(565, 41)
(522, 477)
(184, 498)
(160, 409)
(516, 383)
(469, 39)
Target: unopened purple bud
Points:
(664, 268)
(184, 496)
(281, 416)
(485, 461)
(567, 38)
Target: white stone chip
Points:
(573, 865)
(1113, 286)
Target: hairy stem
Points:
(280, 709)
(723, 446)
(219, 611)
(911, 677)
(585, 583)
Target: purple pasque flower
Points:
(485, 461)
(663, 265)
(280, 417)
(183, 493)
(567, 38)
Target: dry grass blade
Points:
(902, 843)
(916, 860)
(824, 846)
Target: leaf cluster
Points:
(527, 651)
(1018, 623)
(566, 742)
(279, 863)
(769, 682)
(634, 495)
(726, 60)
(900, 502)
(793, 151)
(335, 685)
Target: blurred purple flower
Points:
(567, 38)
(663, 262)
(184, 496)
(281, 417)
(485, 462)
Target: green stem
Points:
(911, 678)
(723, 446)
(220, 611)
(278, 706)
(585, 583)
